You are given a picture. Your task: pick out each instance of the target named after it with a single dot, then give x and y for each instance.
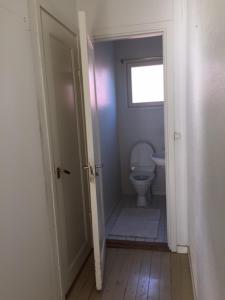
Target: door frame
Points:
(163, 29)
(35, 7)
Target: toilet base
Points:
(141, 201)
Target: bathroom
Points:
(132, 140)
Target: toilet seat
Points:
(141, 177)
(141, 158)
(142, 174)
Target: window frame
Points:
(139, 63)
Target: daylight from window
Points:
(147, 84)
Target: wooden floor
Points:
(137, 274)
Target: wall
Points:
(25, 237)
(138, 124)
(206, 147)
(139, 12)
(107, 108)
(28, 269)
(91, 9)
(108, 15)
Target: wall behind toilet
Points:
(137, 124)
(107, 112)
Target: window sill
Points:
(146, 105)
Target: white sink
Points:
(159, 158)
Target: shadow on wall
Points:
(206, 140)
(107, 110)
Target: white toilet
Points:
(142, 171)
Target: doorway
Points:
(131, 97)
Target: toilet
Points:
(142, 171)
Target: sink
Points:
(159, 158)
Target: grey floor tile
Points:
(157, 202)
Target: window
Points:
(145, 82)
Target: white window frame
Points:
(139, 63)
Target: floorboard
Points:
(137, 274)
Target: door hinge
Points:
(79, 73)
(177, 135)
(90, 170)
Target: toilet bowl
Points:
(142, 171)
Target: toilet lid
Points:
(141, 157)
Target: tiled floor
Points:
(157, 202)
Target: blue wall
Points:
(138, 124)
(107, 109)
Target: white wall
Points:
(127, 12)
(138, 124)
(206, 146)
(107, 15)
(107, 109)
(91, 9)
(26, 253)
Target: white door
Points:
(63, 111)
(93, 145)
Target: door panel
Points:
(93, 147)
(60, 50)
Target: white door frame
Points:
(165, 30)
(35, 7)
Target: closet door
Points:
(62, 105)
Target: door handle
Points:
(93, 171)
(90, 169)
(99, 166)
(60, 170)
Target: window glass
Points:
(147, 83)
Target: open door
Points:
(93, 148)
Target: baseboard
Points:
(182, 249)
(192, 275)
